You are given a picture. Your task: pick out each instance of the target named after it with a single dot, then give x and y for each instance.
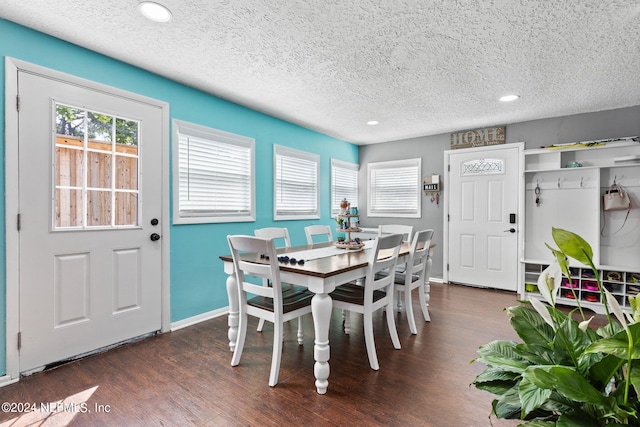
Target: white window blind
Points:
(296, 176)
(215, 177)
(344, 184)
(394, 188)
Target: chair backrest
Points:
(248, 260)
(318, 230)
(274, 233)
(383, 256)
(405, 230)
(418, 255)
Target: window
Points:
(296, 175)
(394, 188)
(96, 170)
(344, 184)
(214, 175)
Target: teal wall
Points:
(197, 280)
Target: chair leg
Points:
(369, 340)
(346, 314)
(260, 325)
(391, 323)
(277, 353)
(242, 334)
(423, 295)
(399, 305)
(300, 331)
(409, 310)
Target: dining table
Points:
(325, 267)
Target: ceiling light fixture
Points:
(154, 11)
(509, 98)
(373, 122)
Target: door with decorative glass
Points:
(90, 164)
(483, 216)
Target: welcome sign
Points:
(478, 137)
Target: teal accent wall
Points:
(197, 281)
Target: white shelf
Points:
(570, 198)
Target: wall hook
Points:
(581, 181)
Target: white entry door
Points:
(90, 199)
(483, 216)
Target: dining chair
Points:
(405, 230)
(270, 303)
(407, 233)
(376, 293)
(279, 235)
(414, 276)
(318, 230)
(275, 233)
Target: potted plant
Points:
(565, 373)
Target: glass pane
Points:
(98, 208)
(127, 132)
(100, 127)
(126, 208)
(99, 170)
(126, 173)
(68, 208)
(69, 164)
(70, 121)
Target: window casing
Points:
(344, 184)
(295, 184)
(394, 189)
(214, 175)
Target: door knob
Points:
(154, 221)
(511, 230)
(154, 237)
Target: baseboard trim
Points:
(7, 380)
(190, 321)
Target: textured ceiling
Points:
(420, 67)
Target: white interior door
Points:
(90, 168)
(483, 199)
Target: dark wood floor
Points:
(184, 378)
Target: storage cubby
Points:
(563, 189)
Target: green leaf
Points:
(579, 419)
(568, 382)
(603, 369)
(538, 423)
(570, 342)
(502, 354)
(530, 326)
(496, 381)
(508, 405)
(536, 354)
(618, 345)
(531, 396)
(573, 245)
(634, 377)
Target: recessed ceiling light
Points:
(373, 122)
(508, 98)
(154, 11)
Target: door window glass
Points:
(96, 170)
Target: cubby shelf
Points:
(570, 198)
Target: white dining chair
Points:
(270, 303)
(414, 276)
(318, 230)
(278, 235)
(275, 233)
(405, 230)
(376, 293)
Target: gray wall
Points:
(536, 133)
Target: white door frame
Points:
(519, 214)
(12, 66)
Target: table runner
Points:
(328, 251)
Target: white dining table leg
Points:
(234, 310)
(321, 306)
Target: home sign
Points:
(478, 137)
